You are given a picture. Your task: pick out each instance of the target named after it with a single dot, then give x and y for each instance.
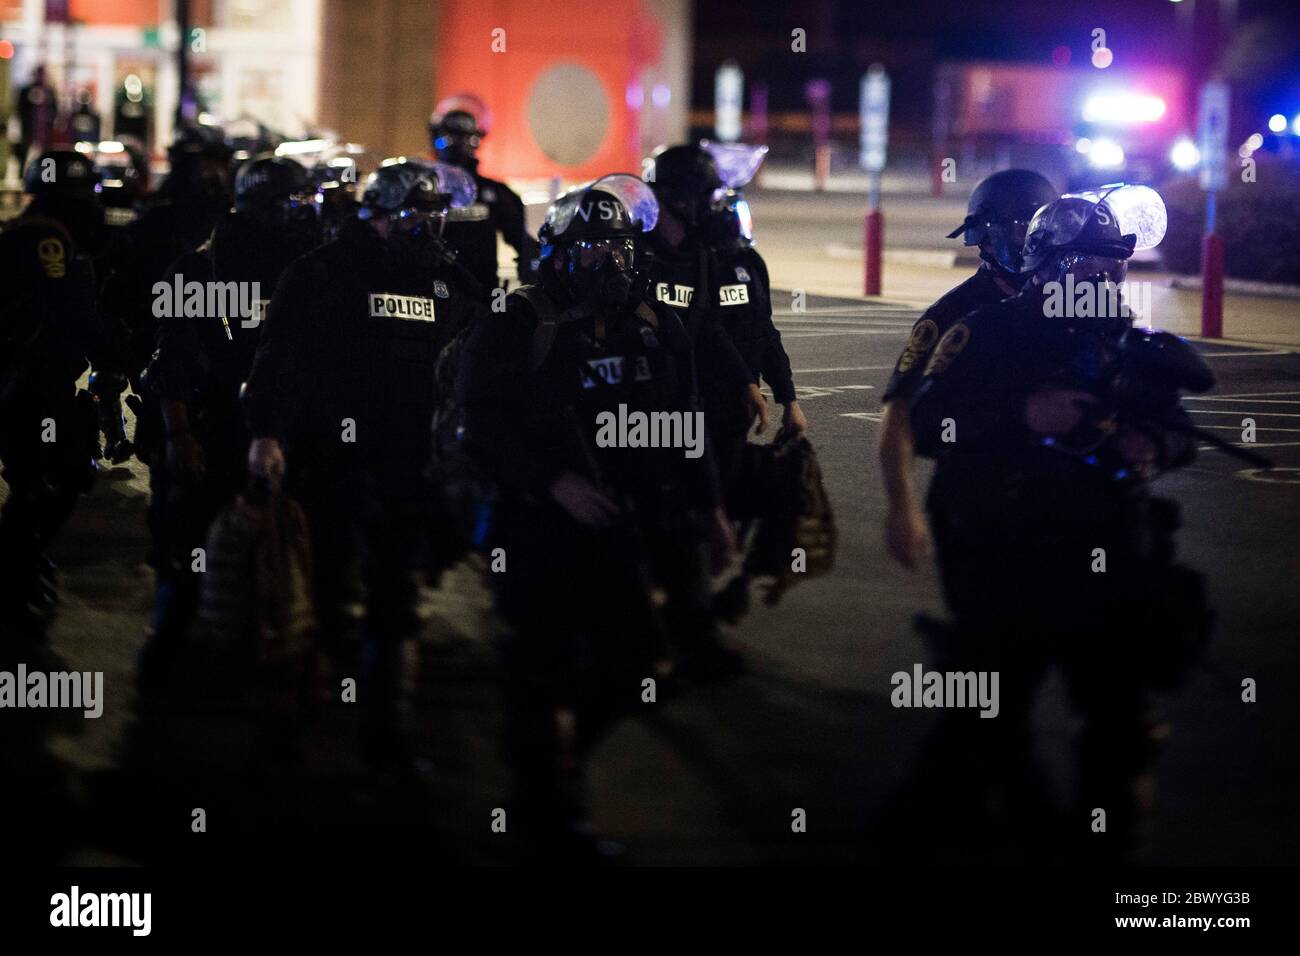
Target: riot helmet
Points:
(729, 219)
(62, 174)
(64, 186)
(276, 193)
(199, 161)
(685, 180)
(455, 137)
(1106, 226)
(591, 233)
(415, 195)
(998, 215)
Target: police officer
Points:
(998, 213)
(595, 529)
(1050, 550)
(48, 330)
(687, 276)
(176, 220)
(199, 367)
(342, 391)
(744, 291)
(455, 136)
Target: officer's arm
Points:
(968, 397)
(776, 363)
(174, 367)
(286, 362)
(514, 229)
(495, 392)
(718, 358)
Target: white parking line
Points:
(845, 368)
(1248, 352)
(1231, 411)
(1257, 401)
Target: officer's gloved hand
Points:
(756, 403)
(583, 501)
(1139, 451)
(266, 459)
(793, 421)
(722, 540)
(907, 535)
(1057, 411)
(185, 458)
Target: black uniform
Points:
(472, 232)
(202, 362)
(48, 432)
(1017, 521)
(979, 290)
(722, 370)
(585, 629)
(344, 378)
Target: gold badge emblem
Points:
(924, 334)
(51, 253)
(952, 343)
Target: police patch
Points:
(440, 289)
(741, 274)
(680, 297)
(952, 343)
(924, 334)
(610, 370)
(386, 305)
(733, 295)
(52, 258)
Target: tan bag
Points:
(256, 601)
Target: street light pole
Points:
(183, 63)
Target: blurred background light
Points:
(1185, 155)
(1123, 108)
(1276, 123)
(1106, 154)
(1102, 58)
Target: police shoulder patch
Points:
(741, 274)
(924, 334)
(53, 257)
(948, 348)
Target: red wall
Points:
(611, 38)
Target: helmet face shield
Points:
(737, 162)
(640, 208)
(590, 255)
(298, 209)
(1090, 268)
(1006, 240)
(419, 221)
(1138, 211)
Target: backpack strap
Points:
(548, 320)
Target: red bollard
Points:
(873, 245)
(1212, 286)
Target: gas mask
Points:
(1003, 245)
(599, 271)
(415, 235)
(459, 149)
